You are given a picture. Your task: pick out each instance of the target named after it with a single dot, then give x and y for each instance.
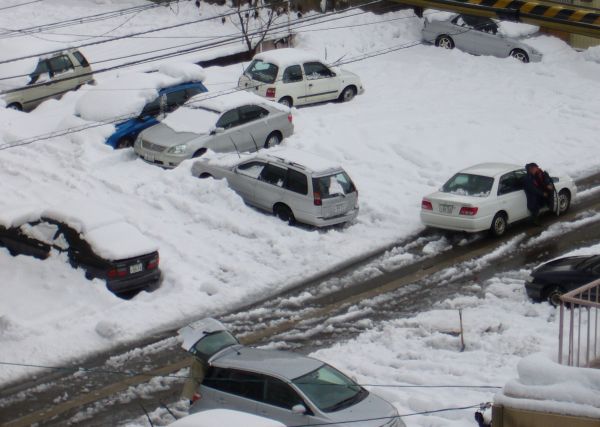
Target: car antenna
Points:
(254, 140)
(236, 149)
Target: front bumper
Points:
(159, 158)
(535, 57)
(456, 223)
(535, 291)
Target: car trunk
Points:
(451, 204)
(335, 193)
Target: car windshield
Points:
(329, 389)
(262, 71)
(212, 343)
(592, 263)
(338, 184)
(465, 184)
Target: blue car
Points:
(168, 100)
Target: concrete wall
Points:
(503, 416)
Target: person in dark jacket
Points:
(539, 190)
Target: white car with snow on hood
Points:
(487, 196)
(295, 77)
(95, 239)
(236, 122)
(292, 184)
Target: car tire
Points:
(124, 142)
(553, 296)
(520, 55)
(445, 42)
(273, 139)
(199, 153)
(499, 224)
(15, 106)
(284, 213)
(347, 94)
(564, 201)
(205, 175)
(287, 101)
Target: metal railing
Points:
(583, 307)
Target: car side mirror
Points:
(299, 409)
(217, 130)
(333, 74)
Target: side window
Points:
(193, 91)
(218, 378)
(60, 64)
(510, 183)
(247, 384)
(251, 169)
(41, 73)
(297, 182)
(292, 74)
(229, 119)
(152, 108)
(280, 394)
(47, 233)
(273, 175)
(316, 70)
(81, 59)
(249, 113)
(175, 99)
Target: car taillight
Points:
(469, 211)
(270, 92)
(196, 397)
(317, 199)
(153, 263)
(113, 273)
(290, 118)
(426, 204)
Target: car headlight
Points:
(178, 149)
(529, 279)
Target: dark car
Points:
(549, 281)
(96, 240)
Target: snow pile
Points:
(226, 418)
(592, 54)
(546, 386)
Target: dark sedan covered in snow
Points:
(94, 239)
(552, 279)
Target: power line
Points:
(19, 4)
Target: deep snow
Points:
(426, 113)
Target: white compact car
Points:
(294, 77)
(488, 196)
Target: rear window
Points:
(79, 57)
(465, 184)
(264, 72)
(333, 185)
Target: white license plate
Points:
(149, 157)
(446, 209)
(136, 268)
(338, 209)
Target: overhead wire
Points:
(19, 5)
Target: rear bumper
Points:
(326, 222)
(457, 223)
(133, 284)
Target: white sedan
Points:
(488, 196)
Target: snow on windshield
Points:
(195, 120)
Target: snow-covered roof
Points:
(128, 93)
(308, 160)
(18, 215)
(224, 418)
(546, 386)
(222, 103)
(119, 241)
(491, 169)
(286, 57)
(82, 217)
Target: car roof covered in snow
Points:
(222, 103)
(283, 364)
(16, 216)
(308, 160)
(224, 418)
(287, 56)
(491, 169)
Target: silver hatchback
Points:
(283, 386)
(292, 184)
(236, 122)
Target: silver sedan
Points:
(237, 122)
(478, 36)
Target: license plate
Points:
(338, 209)
(446, 209)
(136, 268)
(149, 157)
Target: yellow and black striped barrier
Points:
(557, 16)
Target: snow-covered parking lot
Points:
(426, 113)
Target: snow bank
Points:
(546, 386)
(224, 418)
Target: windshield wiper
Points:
(346, 402)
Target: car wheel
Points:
(520, 55)
(125, 142)
(499, 224)
(348, 94)
(287, 101)
(273, 139)
(564, 201)
(284, 213)
(554, 296)
(15, 106)
(445, 42)
(199, 153)
(205, 175)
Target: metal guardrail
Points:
(583, 306)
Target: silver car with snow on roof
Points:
(292, 184)
(238, 121)
(280, 385)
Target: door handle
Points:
(310, 85)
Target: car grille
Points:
(152, 147)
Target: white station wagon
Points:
(295, 77)
(488, 196)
